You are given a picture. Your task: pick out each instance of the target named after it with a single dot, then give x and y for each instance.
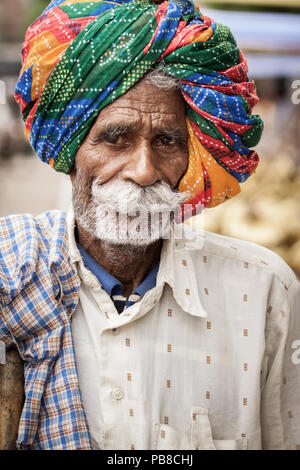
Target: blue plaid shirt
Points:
(38, 294)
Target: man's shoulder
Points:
(242, 253)
(27, 223)
(24, 240)
(27, 233)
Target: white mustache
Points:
(127, 196)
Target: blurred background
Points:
(267, 211)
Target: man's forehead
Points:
(147, 97)
(140, 104)
(134, 121)
(136, 107)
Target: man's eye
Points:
(113, 139)
(170, 142)
(165, 140)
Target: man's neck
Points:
(130, 265)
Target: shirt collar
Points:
(176, 268)
(148, 283)
(108, 282)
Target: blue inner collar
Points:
(109, 283)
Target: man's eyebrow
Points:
(175, 133)
(119, 129)
(116, 129)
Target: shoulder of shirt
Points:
(242, 251)
(24, 239)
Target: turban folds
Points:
(81, 55)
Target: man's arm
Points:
(11, 399)
(280, 405)
(11, 388)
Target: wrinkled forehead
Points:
(145, 105)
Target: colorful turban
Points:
(81, 55)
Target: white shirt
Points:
(208, 359)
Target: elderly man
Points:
(138, 333)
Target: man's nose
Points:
(141, 168)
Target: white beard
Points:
(123, 213)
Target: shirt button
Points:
(115, 331)
(117, 394)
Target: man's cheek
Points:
(90, 157)
(107, 169)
